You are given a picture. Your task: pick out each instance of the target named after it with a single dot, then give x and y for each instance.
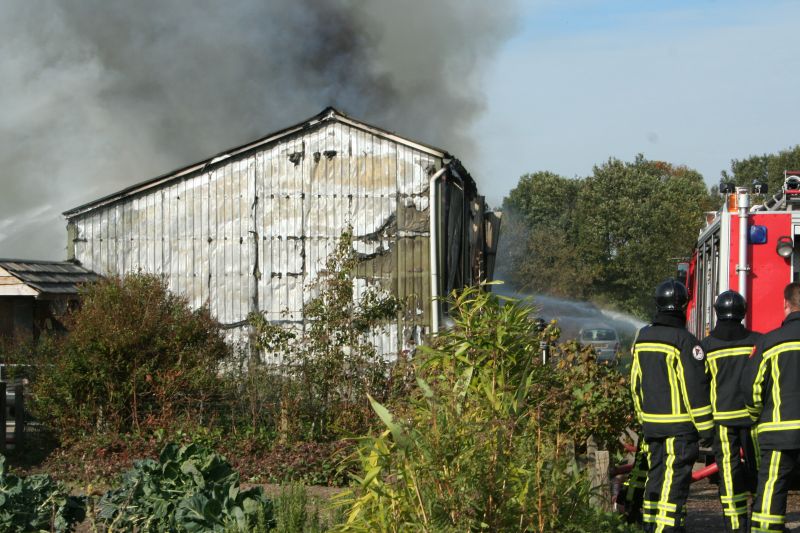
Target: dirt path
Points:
(705, 512)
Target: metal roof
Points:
(49, 277)
(327, 114)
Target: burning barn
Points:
(250, 228)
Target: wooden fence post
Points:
(19, 415)
(3, 414)
(599, 470)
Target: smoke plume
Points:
(99, 94)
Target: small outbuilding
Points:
(34, 293)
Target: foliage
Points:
(766, 168)
(610, 237)
(135, 354)
(485, 443)
(295, 512)
(188, 489)
(332, 364)
(36, 503)
(599, 406)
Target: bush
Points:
(36, 503)
(188, 489)
(135, 354)
(486, 442)
(327, 369)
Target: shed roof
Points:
(328, 114)
(49, 277)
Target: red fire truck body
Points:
(749, 250)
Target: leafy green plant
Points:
(135, 355)
(188, 489)
(36, 503)
(485, 443)
(332, 364)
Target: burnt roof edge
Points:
(327, 114)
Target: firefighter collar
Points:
(729, 330)
(673, 320)
(795, 315)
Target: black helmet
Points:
(730, 305)
(671, 295)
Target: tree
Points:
(635, 220)
(766, 168)
(609, 237)
(539, 231)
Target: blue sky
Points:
(696, 83)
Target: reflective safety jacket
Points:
(771, 384)
(668, 381)
(727, 349)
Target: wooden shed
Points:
(34, 293)
(249, 228)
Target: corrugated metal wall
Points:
(255, 230)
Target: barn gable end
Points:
(250, 228)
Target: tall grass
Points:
(485, 443)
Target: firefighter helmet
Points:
(671, 295)
(730, 305)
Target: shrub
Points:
(330, 366)
(36, 503)
(485, 443)
(135, 354)
(188, 489)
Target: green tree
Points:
(609, 237)
(635, 220)
(766, 168)
(539, 233)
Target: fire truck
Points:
(752, 249)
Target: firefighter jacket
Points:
(668, 381)
(727, 349)
(771, 384)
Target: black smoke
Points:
(100, 94)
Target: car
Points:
(603, 338)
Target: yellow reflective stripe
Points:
(664, 419)
(780, 348)
(726, 468)
(728, 415)
(769, 488)
(706, 410)
(702, 426)
(728, 352)
(756, 447)
(757, 384)
(636, 376)
(667, 484)
(768, 519)
(788, 425)
(776, 390)
(674, 386)
(714, 369)
(656, 347)
(733, 499)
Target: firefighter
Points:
(727, 348)
(771, 384)
(671, 398)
